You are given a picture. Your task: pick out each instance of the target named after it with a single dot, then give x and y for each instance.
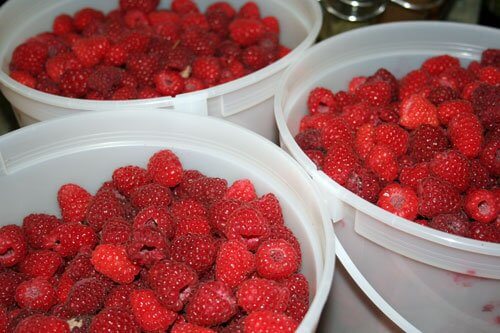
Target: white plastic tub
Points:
(247, 101)
(421, 278)
(86, 148)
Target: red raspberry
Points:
(447, 110)
(24, 78)
(490, 57)
(37, 226)
(376, 93)
(86, 16)
(466, 134)
(321, 100)
(193, 84)
(393, 137)
(127, 178)
(261, 294)
(13, 246)
(383, 162)
(207, 190)
(160, 17)
(40, 323)
(453, 167)
(484, 96)
(484, 232)
(437, 197)
(441, 94)
(219, 213)
(58, 65)
(339, 162)
(284, 233)
(481, 206)
(194, 19)
(207, 69)
(187, 208)
(104, 79)
(157, 217)
(276, 259)
(389, 113)
(111, 260)
(426, 141)
(383, 74)
(116, 55)
(490, 75)
(489, 156)
(364, 140)
(417, 110)
(187, 178)
(357, 115)
(169, 83)
(413, 83)
(103, 207)
(297, 307)
(363, 183)
(146, 246)
(90, 51)
(411, 175)
(119, 296)
(356, 82)
(197, 251)
(455, 224)
(143, 67)
(269, 206)
(269, 321)
(241, 190)
(149, 312)
(309, 140)
(249, 10)
(73, 201)
(184, 6)
(283, 51)
(334, 131)
(151, 195)
(41, 263)
(399, 200)
(234, 263)
(145, 6)
(455, 77)
(193, 225)
(272, 24)
(69, 238)
(9, 281)
(212, 304)
(165, 168)
(246, 32)
(436, 65)
(80, 268)
(147, 92)
(74, 82)
(479, 176)
(63, 24)
(114, 320)
(199, 42)
(36, 294)
(86, 297)
(190, 328)
(248, 226)
(297, 285)
(256, 57)
(222, 6)
(4, 320)
(173, 282)
(137, 43)
(29, 57)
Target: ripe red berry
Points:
(455, 224)
(417, 110)
(383, 162)
(73, 201)
(149, 312)
(180, 327)
(436, 65)
(411, 175)
(248, 226)
(169, 83)
(207, 69)
(152, 194)
(40, 323)
(13, 246)
(489, 157)
(339, 162)
(30, 57)
(453, 167)
(321, 100)
(90, 51)
(111, 260)
(9, 280)
(241, 190)
(276, 259)
(466, 134)
(399, 200)
(481, 205)
(145, 6)
(426, 141)
(114, 320)
(437, 197)
(449, 109)
(165, 168)
(393, 136)
(246, 31)
(219, 213)
(86, 297)
(197, 251)
(36, 294)
(146, 246)
(42, 263)
(363, 183)
(158, 217)
(268, 321)
(261, 294)
(377, 93)
(234, 263)
(484, 232)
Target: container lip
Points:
(396, 222)
(159, 102)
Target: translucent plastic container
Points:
(420, 278)
(85, 149)
(247, 101)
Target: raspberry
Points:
(382, 161)
(116, 55)
(197, 251)
(453, 167)
(436, 65)
(284, 233)
(356, 82)
(187, 208)
(69, 238)
(74, 82)
(334, 131)
(241, 190)
(193, 225)
(466, 134)
(484, 96)
(234, 263)
(151, 195)
(193, 84)
(437, 197)
(145, 6)
(222, 6)
(479, 176)
(219, 213)
(426, 141)
(399, 200)
(411, 175)
(413, 83)
(357, 114)
(86, 16)
(207, 69)
(184, 6)
(268, 321)
(169, 83)
(86, 297)
(447, 110)
(276, 259)
(24, 78)
(187, 178)
(165, 168)
(138, 62)
(261, 294)
(40, 323)
(73, 201)
(321, 100)
(147, 92)
(63, 24)
(455, 77)
(37, 226)
(157, 217)
(4, 320)
(248, 226)
(111, 260)
(103, 207)
(29, 57)
(143, 67)
(173, 283)
(80, 268)
(127, 178)
(41, 263)
(309, 140)
(489, 157)
(207, 190)
(272, 24)
(212, 304)
(297, 285)
(114, 320)
(484, 232)
(455, 224)
(246, 31)
(249, 10)
(377, 93)
(481, 205)
(90, 51)
(393, 137)
(146, 246)
(297, 307)
(490, 75)
(363, 183)
(13, 246)
(339, 162)
(160, 17)
(490, 57)
(199, 42)
(149, 312)
(36, 294)
(9, 281)
(441, 94)
(417, 110)
(256, 57)
(190, 328)
(269, 206)
(364, 140)
(389, 113)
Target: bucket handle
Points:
(196, 103)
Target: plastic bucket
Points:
(247, 101)
(421, 278)
(86, 148)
